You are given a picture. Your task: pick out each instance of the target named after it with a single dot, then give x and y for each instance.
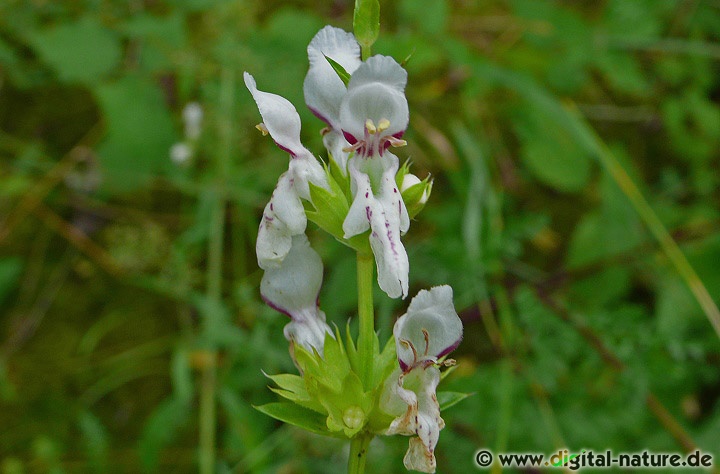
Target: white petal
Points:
(358, 217)
(418, 458)
(286, 204)
(335, 143)
(280, 118)
(323, 88)
(385, 214)
(376, 92)
(308, 329)
(430, 329)
(306, 169)
(412, 400)
(273, 241)
(292, 287)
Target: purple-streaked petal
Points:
(306, 169)
(411, 398)
(274, 239)
(429, 330)
(323, 88)
(384, 213)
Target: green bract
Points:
(329, 397)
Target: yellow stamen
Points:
(263, 129)
(370, 126)
(383, 125)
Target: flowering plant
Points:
(365, 199)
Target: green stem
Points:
(358, 453)
(367, 317)
(365, 52)
(359, 444)
(207, 412)
(207, 415)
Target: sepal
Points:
(417, 195)
(297, 416)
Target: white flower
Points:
(284, 216)
(410, 180)
(378, 206)
(192, 116)
(323, 88)
(364, 119)
(180, 153)
(428, 331)
(292, 288)
(373, 116)
(374, 111)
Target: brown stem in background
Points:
(666, 419)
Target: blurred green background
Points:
(125, 275)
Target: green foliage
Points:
(82, 51)
(140, 132)
(573, 314)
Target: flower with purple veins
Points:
(284, 216)
(429, 330)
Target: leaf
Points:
(10, 270)
(161, 429)
(181, 375)
(366, 22)
(95, 438)
(297, 416)
(429, 16)
(82, 51)
(140, 132)
(448, 399)
(550, 153)
(341, 72)
(290, 382)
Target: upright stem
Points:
(365, 52)
(359, 444)
(358, 453)
(208, 382)
(367, 317)
(207, 415)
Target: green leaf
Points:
(341, 72)
(297, 416)
(82, 51)
(95, 439)
(140, 132)
(448, 399)
(366, 22)
(10, 270)
(384, 363)
(550, 153)
(181, 375)
(429, 16)
(290, 382)
(161, 429)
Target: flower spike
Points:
(429, 330)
